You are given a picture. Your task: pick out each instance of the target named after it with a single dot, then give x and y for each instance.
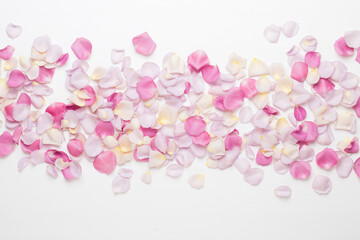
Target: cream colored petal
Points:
(125, 144)
(210, 163)
(258, 68)
(291, 150)
(175, 64)
(197, 180)
(346, 121)
(4, 88)
(260, 100)
(230, 119)
(146, 177)
(76, 100)
(284, 84)
(122, 157)
(25, 63)
(277, 70)
(136, 137)
(124, 110)
(167, 114)
(60, 164)
(110, 142)
(235, 64)
(263, 84)
(53, 136)
(216, 147)
(313, 76)
(156, 159)
(343, 143)
(99, 73)
(10, 64)
(205, 102)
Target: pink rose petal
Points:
(16, 79)
(353, 147)
(290, 29)
(352, 39)
(321, 184)
(210, 73)
(272, 33)
(105, 162)
(358, 56)
(198, 60)
(357, 167)
(327, 158)
(254, 176)
(300, 169)
(120, 184)
(299, 71)
(233, 141)
(283, 191)
(312, 59)
(233, 99)
(248, 87)
(93, 145)
(13, 31)
(262, 160)
(299, 113)
(174, 170)
(143, 44)
(7, 144)
(344, 167)
(75, 147)
(342, 49)
(323, 86)
(146, 88)
(195, 126)
(82, 48)
(7, 52)
(104, 129)
(203, 139)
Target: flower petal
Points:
(327, 158)
(300, 169)
(321, 184)
(13, 31)
(290, 29)
(143, 44)
(93, 145)
(254, 176)
(344, 167)
(105, 162)
(352, 39)
(174, 170)
(283, 191)
(146, 178)
(16, 79)
(117, 55)
(272, 33)
(197, 181)
(120, 185)
(82, 48)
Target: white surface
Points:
(35, 206)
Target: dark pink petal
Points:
(187, 87)
(248, 87)
(16, 79)
(30, 148)
(57, 110)
(105, 162)
(104, 129)
(8, 112)
(52, 155)
(45, 75)
(218, 102)
(146, 88)
(203, 139)
(150, 132)
(198, 60)
(299, 71)
(358, 56)
(24, 99)
(210, 73)
(7, 144)
(307, 132)
(75, 147)
(233, 141)
(262, 160)
(300, 169)
(342, 49)
(233, 99)
(270, 110)
(327, 158)
(195, 126)
(143, 44)
(321, 184)
(82, 48)
(7, 52)
(17, 134)
(312, 59)
(323, 86)
(356, 107)
(62, 60)
(299, 113)
(254, 176)
(357, 167)
(353, 146)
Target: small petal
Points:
(283, 191)
(312, 59)
(146, 178)
(299, 71)
(254, 176)
(174, 170)
(290, 29)
(272, 33)
(42, 44)
(7, 144)
(321, 184)
(342, 48)
(75, 147)
(327, 158)
(210, 73)
(143, 44)
(105, 162)
(198, 60)
(300, 169)
(344, 167)
(197, 181)
(308, 43)
(299, 113)
(82, 48)
(120, 185)
(195, 126)
(117, 55)
(13, 31)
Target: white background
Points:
(35, 206)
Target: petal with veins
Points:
(105, 162)
(344, 167)
(16, 79)
(327, 158)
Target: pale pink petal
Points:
(281, 100)
(254, 176)
(195, 126)
(174, 170)
(52, 171)
(323, 86)
(327, 158)
(233, 141)
(283, 191)
(299, 71)
(16, 79)
(44, 122)
(299, 95)
(245, 114)
(279, 167)
(290, 29)
(262, 160)
(117, 55)
(42, 43)
(308, 43)
(299, 113)
(353, 147)
(356, 108)
(13, 31)
(75, 147)
(349, 80)
(321, 184)
(161, 142)
(312, 59)
(242, 165)
(53, 54)
(233, 99)
(126, 172)
(352, 39)
(219, 129)
(45, 75)
(23, 163)
(143, 44)
(21, 112)
(89, 124)
(326, 69)
(82, 48)
(120, 185)
(62, 60)
(146, 178)
(342, 49)
(358, 56)
(198, 60)
(105, 162)
(93, 146)
(57, 110)
(344, 167)
(306, 153)
(146, 88)
(272, 33)
(210, 73)
(334, 97)
(300, 169)
(260, 119)
(7, 52)
(203, 139)
(197, 181)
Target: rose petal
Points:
(312, 59)
(299, 71)
(174, 170)
(93, 145)
(210, 73)
(327, 158)
(120, 185)
(290, 29)
(299, 113)
(195, 126)
(146, 178)
(344, 167)
(300, 169)
(308, 43)
(321, 184)
(197, 181)
(7, 144)
(272, 33)
(117, 55)
(233, 99)
(352, 39)
(143, 44)
(146, 88)
(254, 176)
(16, 79)
(13, 31)
(283, 191)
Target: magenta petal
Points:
(82, 48)
(299, 113)
(62, 60)
(356, 107)
(353, 147)
(357, 167)
(299, 71)
(104, 129)
(143, 44)
(7, 52)
(248, 87)
(16, 79)
(323, 86)
(300, 169)
(57, 110)
(210, 73)
(322, 184)
(312, 59)
(342, 49)
(327, 158)
(195, 126)
(262, 160)
(24, 99)
(105, 162)
(203, 139)
(306, 132)
(75, 147)
(146, 88)
(198, 60)
(30, 148)
(233, 99)
(7, 144)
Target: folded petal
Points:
(327, 158)
(290, 29)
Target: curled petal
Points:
(143, 44)
(262, 160)
(300, 169)
(283, 191)
(254, 176)
(272, 33)
(327, 158)
(299, 113)
(353, 146)
(198, 60)
(82, 48)
(197, 181)
(321, 184)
